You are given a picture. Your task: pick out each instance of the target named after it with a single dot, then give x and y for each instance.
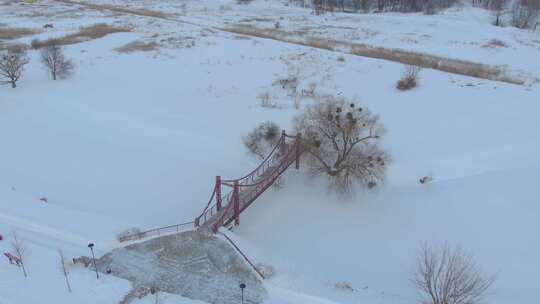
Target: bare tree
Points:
(12, 66)
(449, 276)
(54, 60)
(18, 247)
(341, 140)
(64, 269)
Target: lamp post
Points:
(91, 246)
(242, 286)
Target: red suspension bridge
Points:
(225, 209)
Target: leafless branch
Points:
(18, 247)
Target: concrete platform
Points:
(190, 264)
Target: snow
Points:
(135, 140)
(462, 32)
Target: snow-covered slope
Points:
(136, 140)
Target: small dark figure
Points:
(48, 25)
(108, 270)
(425, 179)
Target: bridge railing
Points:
(155, 232)
(243, 255)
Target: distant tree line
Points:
(519, 13)
(406, 6)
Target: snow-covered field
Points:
(135, 140)
(463, 32)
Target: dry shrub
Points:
(100, 30)
(138, 46)
(85, 33)
(409, 80)
(266, 270)
(345, 286)
(266, 100)
(179, 42)
(7, 33)
(321, 43)
(310, 90)
(260, 142)
(449, 65)
(494, 43)
(290, 84)
(262, 139)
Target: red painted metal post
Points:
(298, 138)
(282, 143)
(218, 192)
(236, 202)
